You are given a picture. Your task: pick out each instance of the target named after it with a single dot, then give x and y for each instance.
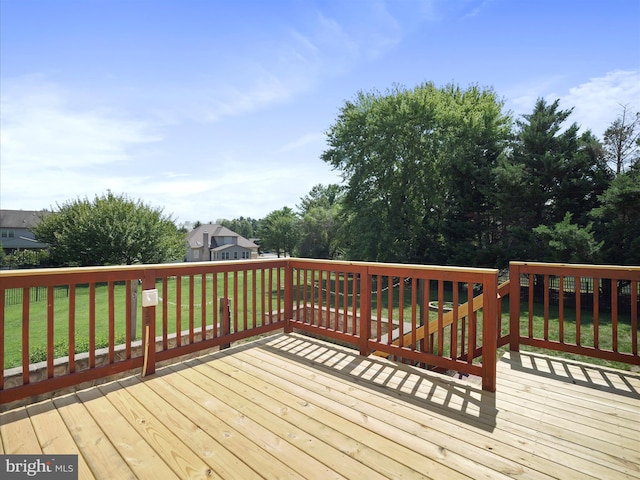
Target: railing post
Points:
(149, 327)
(288, 297)
(514, 307)
(365, 311)
(489, 332)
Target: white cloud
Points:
(598, 102)
(50, 148)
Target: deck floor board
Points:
(289, 406)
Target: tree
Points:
(245, 227)
(622, 140)
(319, 211)
(478, 133)
(110, 230)
(320, 196)
(618, 218)
(279, 231)
(400, 155)
(549, 171)
(568, 242)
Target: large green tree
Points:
(110, 230)
(417, 165)
(279, 231)
(549, 170)
(319, 211)
(618, 219)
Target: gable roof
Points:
(20, 218)
(215, 230)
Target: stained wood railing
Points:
(201, 305)
(383, 308)
(443, 318)
(583, 309)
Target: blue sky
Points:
(212, 109)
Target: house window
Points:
(8, 233)
(225, 255)
(235, 255)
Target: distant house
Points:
(15, 230)
(213, 242)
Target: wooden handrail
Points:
(447, 319)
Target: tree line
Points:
(430, 176)
(445, 176)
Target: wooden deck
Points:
(289, 406)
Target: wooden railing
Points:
(444, 318)
(587, 310)
(383, 308)
(200, 306)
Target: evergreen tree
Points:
(549, 171)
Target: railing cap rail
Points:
(30, 272)
(578, 266)
(413, 266)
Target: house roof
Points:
(20, 218)
(215, 230)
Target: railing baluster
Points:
(25, 335)
(414, 311)
(545, 284)
(472, 326)
(454, 324)
(3, 336)
(127, 319)
(440, 317)
(327, 301)
(112, 322)
(50, 341)
(92, 325)
(245, 300)
(378, 307)
(203, 301)
(254, 297)
(561, 309)
(214, 310)
(634, 317)
(355, 288)
(614, 314)
(165, 314)
(179, 310)
(596, 313)
(235, 301)
(225, 301)
(532, 281)
(192, 312)
(578, 318)
(336, 302)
